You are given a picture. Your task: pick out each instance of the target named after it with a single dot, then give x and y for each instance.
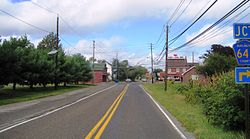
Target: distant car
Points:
(144, 79)
(128, 80)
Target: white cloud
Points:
(216, 35)
(91, 15)
(104, 48)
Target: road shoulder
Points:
(177, 125)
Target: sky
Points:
(123, 27)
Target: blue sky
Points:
(124, 26)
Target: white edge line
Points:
(176, 128)
(55, 110)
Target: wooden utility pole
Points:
(57, 45)
(116, 65)
(247, 122)
(152, 64)
(93, 66)
(166, 61)
(193, 58)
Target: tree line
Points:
(24, 64)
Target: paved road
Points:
(123, 111)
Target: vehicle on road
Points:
(144, 79)
(128, 80)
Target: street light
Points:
(52, 52)
(55, 52)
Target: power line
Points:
(175, 11)
(163, 28)
(45, 8)
(34, 26)
(212, 26)
(66, 41)
(197, 14)
(175, 38)
(218, 30)
(181, 13)
(178, 36)
(50, 11)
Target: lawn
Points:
(189, 115)
(23, 93)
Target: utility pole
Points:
(247, 122)
(166, 62)
(57, 45)
(93, 66)
(193, 58)
(152, 64)
(116, 65)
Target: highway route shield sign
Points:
(241, 51)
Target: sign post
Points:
(242, 74)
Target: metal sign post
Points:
(242, 74)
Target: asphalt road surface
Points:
(123, 111)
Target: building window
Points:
(181, 70)
(169, 70)
(173, 69)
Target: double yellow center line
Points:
(103, 122)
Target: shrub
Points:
(224, 103)
(222, 100)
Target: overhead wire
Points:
(213, 25)
(222, 31)
(178, 36)
(175, 11)
(219, 28)
(176, 19)
(27, 23)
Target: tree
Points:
(91, 60)
(217, 60)
(49, 42)
(76, 69)
(219, 49)
(125, 71)
(11, 53)
(156, 71)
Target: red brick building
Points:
(191, 74)
(176, 67)
(100, 73)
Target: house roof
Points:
(180, 62)
(188, 70)
(99, 66)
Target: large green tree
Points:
(217, 60)
(125, 71)
(11, 53)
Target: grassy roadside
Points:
(188, 114)
(21, 94)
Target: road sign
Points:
(242, 75)
(242, 30)
(241, 51)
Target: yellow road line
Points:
(99, 133)
(93, 130)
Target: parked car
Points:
(128, 80)
(144, 79)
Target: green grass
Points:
(8, 96)
(189, 115)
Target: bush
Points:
(222, 100)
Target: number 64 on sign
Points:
(241, 50)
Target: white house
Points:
(109, 71)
